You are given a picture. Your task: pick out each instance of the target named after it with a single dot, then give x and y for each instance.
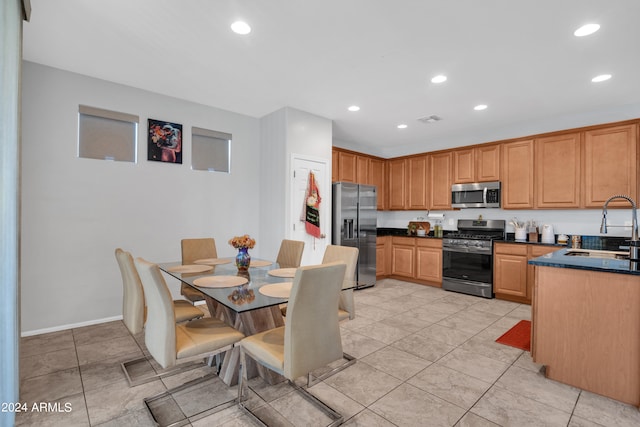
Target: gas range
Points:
(475, 235)
(467, 264)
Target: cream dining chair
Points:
(171, 344)
(193, 250)
(348, 255)
(290, 253)
(310, 338)
(134, 310)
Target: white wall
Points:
(286, 132)
(75, 211)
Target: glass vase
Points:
(243, 259)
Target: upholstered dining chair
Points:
(171, 344)
(193, 250)
(290, 253)
(134, 309)
(348, 255)
(310, 338)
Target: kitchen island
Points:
(586, 323)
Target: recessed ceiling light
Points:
(354, 108)
(585, 30)
(480, 107)
(240, 27)
(601, 78)
(439, 79)
(402, 126)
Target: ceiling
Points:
(321, 56)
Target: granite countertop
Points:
(604, 265)
(511, 239)
(402, 232)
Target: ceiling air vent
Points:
(430, 119)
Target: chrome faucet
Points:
(634, 245)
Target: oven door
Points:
(467, 266)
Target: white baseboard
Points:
(65, 327)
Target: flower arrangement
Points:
(242, 242)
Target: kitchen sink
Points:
(593, 253)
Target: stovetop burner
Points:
(475, 236)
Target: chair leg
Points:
(156, 375)
(179, 417)
(311, 380)
(335, 416)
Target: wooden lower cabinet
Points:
(429, 260)
(414, 259)
(383, 259)
(403, 253)
(513, 277)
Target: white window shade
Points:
(210, 150)
(107, 135)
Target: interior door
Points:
(313, 247)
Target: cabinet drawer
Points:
(511, 249)
(536, 251)
(409, 241)
(428, 243)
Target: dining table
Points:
(248, 300)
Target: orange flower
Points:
(242, 242)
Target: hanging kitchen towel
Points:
(312, 207)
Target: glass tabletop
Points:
(243, 297)
(239, 298)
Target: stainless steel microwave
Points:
(476, 195)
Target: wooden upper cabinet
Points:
(347, 167)
(517, 175)
(397, 184)
(377, 178)
(362, 169)
(488, 163)
(417, 183)
(557, 167)
(335, 166)
(479, 164)
(610, 165)
(441, 174)
(464, 169)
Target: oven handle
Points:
(468, 251)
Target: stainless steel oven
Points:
(467, 257)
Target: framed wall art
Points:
(164, 142)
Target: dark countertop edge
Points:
(557, 259)
(523, 242)
(402, 232)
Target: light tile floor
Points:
(426, 357)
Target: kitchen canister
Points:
(576, 242)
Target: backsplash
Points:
(585, 222)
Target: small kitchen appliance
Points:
(548, 235)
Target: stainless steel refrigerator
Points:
(355, 224)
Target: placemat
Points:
(283, 272)
(276, 290)
(220, 281)
(213, 261)
(189, 268)
(260, 263)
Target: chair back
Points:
(290, 253)
(160, 328)
(194, 249)
(312, 334)
(348, 255)
(133, 306)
